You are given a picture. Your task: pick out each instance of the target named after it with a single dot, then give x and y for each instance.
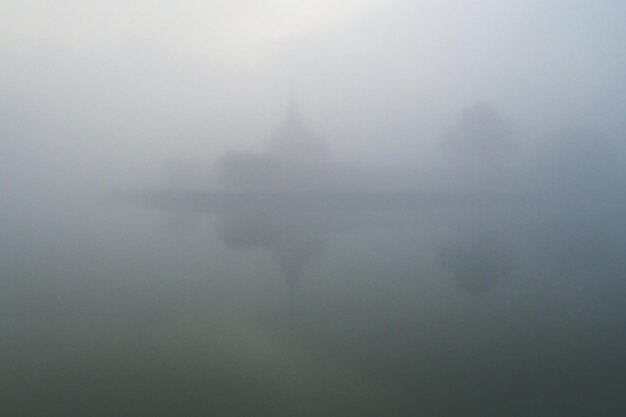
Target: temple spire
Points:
(293, 141)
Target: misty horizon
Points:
(329, 208)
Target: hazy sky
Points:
(230, 27)
(138, 82)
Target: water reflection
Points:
(293, 243)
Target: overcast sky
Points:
(131, 83)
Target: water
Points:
(116, 310)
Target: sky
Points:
(379, 79)
(132, 84)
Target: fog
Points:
(314, 208)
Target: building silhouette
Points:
(293, 160)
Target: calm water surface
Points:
(115, 310)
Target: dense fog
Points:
(313, 208)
